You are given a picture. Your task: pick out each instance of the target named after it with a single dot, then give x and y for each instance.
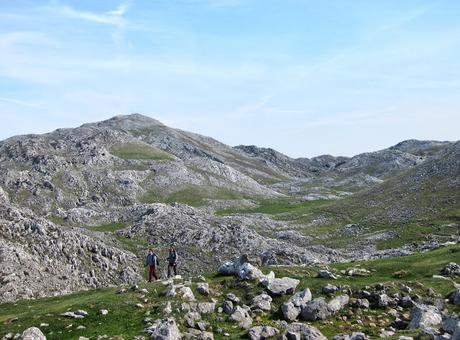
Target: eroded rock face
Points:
(54, 255)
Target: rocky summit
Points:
(80, 207)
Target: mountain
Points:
(422, 192)
(87, 202)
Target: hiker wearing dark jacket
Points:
(172, 261)
(152, 262)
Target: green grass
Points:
(193, 195)
(110, 227)
(139, 151)
(290, 209)
(56, 219)
(125, 320)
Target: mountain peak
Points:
(133, 121)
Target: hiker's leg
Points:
(169, 270)
(150, 273)
(175, 269)
(155, 273)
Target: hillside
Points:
(106, 191)
(377, 303)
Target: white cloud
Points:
(20, 102)
(113, 17)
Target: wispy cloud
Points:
(115, 17)
(20, 103)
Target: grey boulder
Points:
(424, 316)
(262, 302)
(262, 332)
(300, 331)
(165, 329)
(282, 286)
(242, 317)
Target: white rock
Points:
(32, 333)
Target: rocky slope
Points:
(415, 297)
(57, 189)
(422, 192)
(39, 258)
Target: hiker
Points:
(172, 261)
(152, 262)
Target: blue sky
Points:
(304, 77)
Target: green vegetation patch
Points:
(139, 151)
(126, 320)
(289, 208)
(193, 195)
(56, 219)
(110, 227)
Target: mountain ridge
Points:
(131, 182)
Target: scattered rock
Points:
(454, 297)
(424, 316)
(103, 312)
(338, 303)
(241, 316)
(186, 294)
(358, 272)
(203, 288)
(72, 315)
(296, 331)
(262, 332)
(233, 298)
(227, 307)
(362, 303)
(451, 269)
(316, 309)
(165, 329)
(291, 309)
(32, 333)
(261, 302)
(327, 275)
(281, 286)
(330, 289)
(168, 309)
(191, 318)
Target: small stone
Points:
(203, 288)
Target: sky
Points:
(303, 77)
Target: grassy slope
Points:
(285, 208)
(124, 319)
(193, 195)
(139, 151)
